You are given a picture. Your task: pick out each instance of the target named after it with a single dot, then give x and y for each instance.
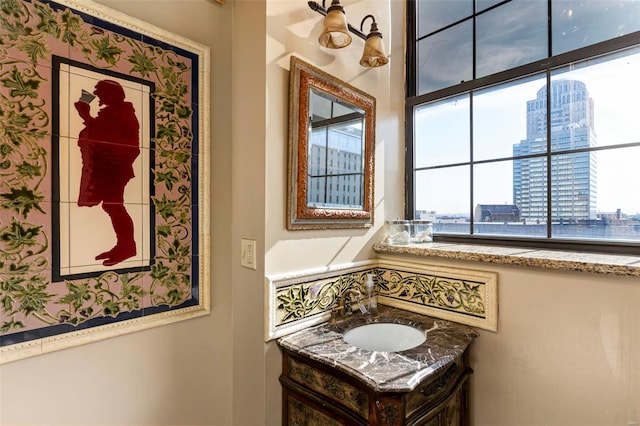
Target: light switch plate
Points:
(248, 253)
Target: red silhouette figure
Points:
(109, 144)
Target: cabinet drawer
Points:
(329, 385)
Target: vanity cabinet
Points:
(317, 394)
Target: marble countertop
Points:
(599, 263)
(384, 371)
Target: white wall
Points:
(248, 105)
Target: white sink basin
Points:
(385, 337)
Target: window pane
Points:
(511, 35)
(617, 174)
(316, 191)
(594, 202)
(580, 23)
(510, 106)
(446, 192)
(442, 133)
(591, 100)
(483, 4)
(590, 198)
(530, 188)
(496, 212)
(445, 59)
(573, 187)
(435, 14)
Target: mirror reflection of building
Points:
(336, 153)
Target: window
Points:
(521, 123)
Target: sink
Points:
(385, 337)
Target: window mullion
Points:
(549, 173)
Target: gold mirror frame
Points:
(303, 78)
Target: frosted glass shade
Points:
(373, 54)
(335, 34)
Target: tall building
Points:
(573, 176)
(336, 147)
(336, 172)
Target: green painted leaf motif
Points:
(183, 111)
(18, 268)
(12, 13)
(11, 8)
(296, 303)
(48, 22)
(169, 131)
(5, 150)
(78, 294)
(15, 129)
(163, 230)
(11, 284)
(35, 49)
(32, 298)
(7, 303)
(18, 121)
(177, 251)
(11, 325)
(71, 24)
(159, 271)
(19, 236)
(177, 64)
(130, 294)
(165, 207)
(175, 296)
(22, 200)
(168, 178)
(14, 30)
(28, 170)
(142, 64)
(111, 308)
(182, 157)
(106, 51)
(20, 86)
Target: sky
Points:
(615, 89)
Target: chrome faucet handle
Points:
(345, 302)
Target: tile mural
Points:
(100, 130)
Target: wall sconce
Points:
(335, 33)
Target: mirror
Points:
(331, 141)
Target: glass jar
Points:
(398, 232)
(421, 231)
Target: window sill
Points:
(598, 263)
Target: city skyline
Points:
(447, 122)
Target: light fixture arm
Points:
(320, 8)
(374, 26)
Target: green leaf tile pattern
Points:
(440, 292)
(27, 31)
(300, 301)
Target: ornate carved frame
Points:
(304, 77)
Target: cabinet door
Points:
(452, 414)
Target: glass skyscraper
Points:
(573, 176)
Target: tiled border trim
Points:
(302, 299)
(298, 300)
(461, 295)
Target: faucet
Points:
(343, 306)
